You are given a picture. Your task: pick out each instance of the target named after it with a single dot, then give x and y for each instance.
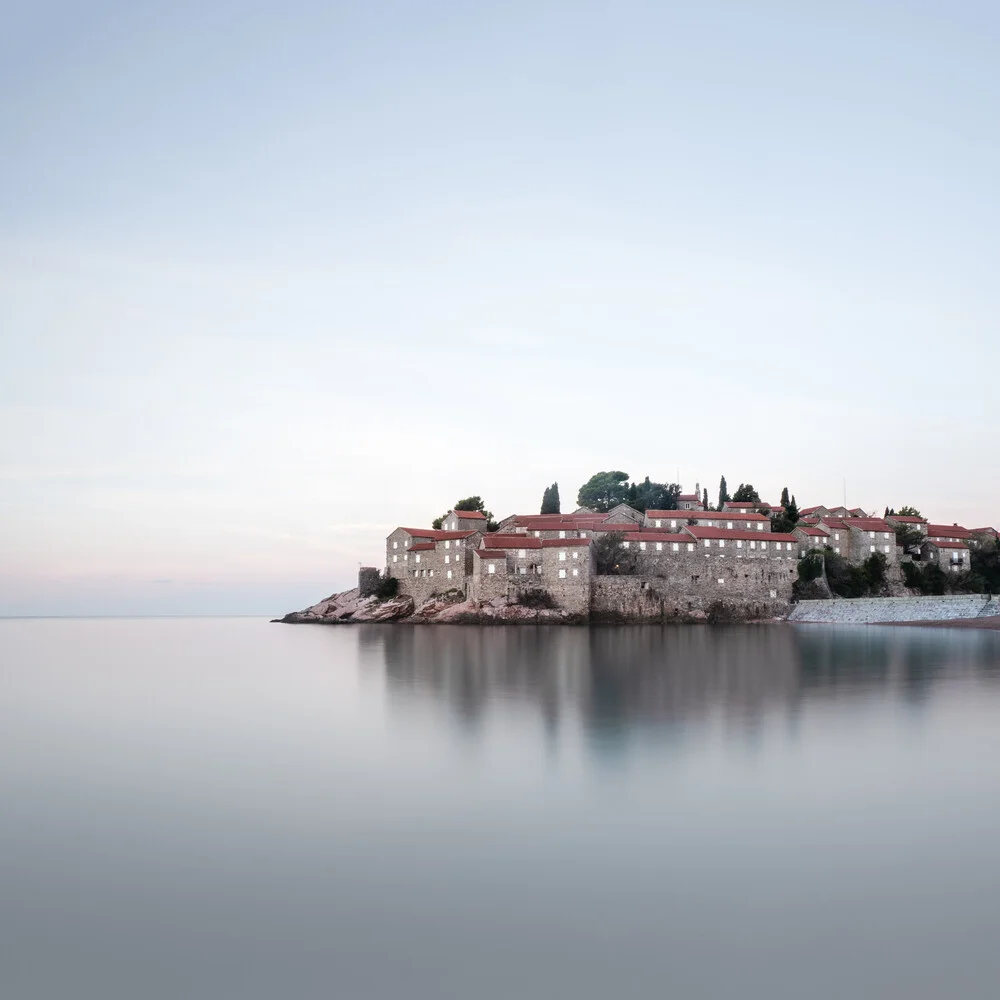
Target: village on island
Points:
(649, 552)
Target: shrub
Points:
(537, 599)
(811, 566)
(387, 588)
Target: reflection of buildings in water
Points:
(616, 677)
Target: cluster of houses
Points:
(690, 556)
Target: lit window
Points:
(722, 543)
(642, 546)
(659, 546)
(562, 574)
(562, 557)
(873, 548)
(491, 568)
(690, 546)
(562, 534)
(657, 523)
(763, 545)
(576, 555)
(739, 543)
(675, 546)
(395, 545)
(449, 574)
(576, 572)
(447, 559)
(707, 543)
(395, 558)
(521, 553)
(416, 558)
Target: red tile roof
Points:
(742, 505)
(715, 515)
(868, 524)
(499, 541)
(689, 497)
(422, 547)
(475, 515)
(906, 519)
(435, 533)
(655, 536)
(812, 530)
(947, 531)
(559, 543)
(984, 531)
(812, 510)
(616, 526)
(700, 531)
(490, 553)
(942, 544)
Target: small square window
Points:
(562, 574)
(576, 572)
(521, 553)
(491, 568)
(642, 546)
(659, 546)
(562, 557)
(675, 546)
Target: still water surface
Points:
(225, 808)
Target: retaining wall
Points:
(874, 610)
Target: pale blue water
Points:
(225, 808)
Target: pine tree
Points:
(550, 500)
(723, 493)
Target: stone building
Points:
(868, 535)
(950, 556)
(907, 521)
(464, 520)
(675, 520)
(810, 537)
(428, 561)
(948, 533)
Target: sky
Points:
(276, 278)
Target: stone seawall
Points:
(881, 610)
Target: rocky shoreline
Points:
(349, 608)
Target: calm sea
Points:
(225, 808)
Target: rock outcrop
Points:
(350, 608)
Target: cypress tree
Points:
(550, 500)
(723, 493)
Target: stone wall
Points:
(873, 610)
(368, 577)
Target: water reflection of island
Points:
(663, 675)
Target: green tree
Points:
(789, 516)
(723, 493)
(704, 498)
(648, 495)
(550, 500)
(746, 494)
(603, 491)
(612, 558)
(784, 497)
(908, 512)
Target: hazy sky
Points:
(275, 278)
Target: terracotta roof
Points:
(655, 536)
(812, 510)
(490, 553)
(466, 514)
(556, 526)
(617, 526)
(498, 541)
(947, 531)
(689, 497)
(560, 543)
(940, 543)
(984, 531)
(741, 505)
(868, 524)
(715, 515)
(832, 522)
(422, 547)
(906, 519)
(699, 531)
(435, 533)
(812, 530)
